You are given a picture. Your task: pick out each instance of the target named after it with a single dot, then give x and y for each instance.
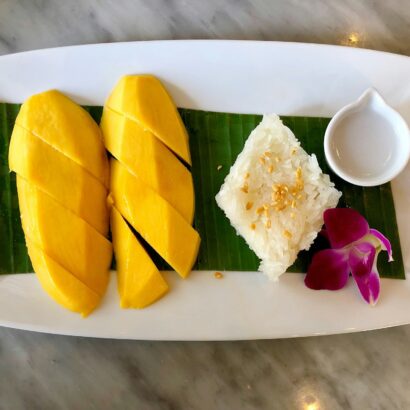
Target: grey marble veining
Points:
(378, 24)
(359, 371)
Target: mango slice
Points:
(68, 128)
(151, 189)
(62, 171)
(52, 172)
(139, 281)
(147, 157)
(65, 237)
(143, 99)
(60, 284)
(155, 219)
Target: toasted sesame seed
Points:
(262, 160)
(299, 196)
(299, 185)
(268, 224)
(247, 175)
(219, 167)
(265, 206)
(287, 234)
(293, 151)
(267, 154)
(253, 226)
(292, 215)
(270, 169)
(277, 159)
(298, 172)
(249, 205)
(259, 211)
(293, 204)
(245, 188)
(218, 275)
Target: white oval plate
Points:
(228, 76)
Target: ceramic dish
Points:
(367, 142)
(227, 76)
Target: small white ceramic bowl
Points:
(367, 142)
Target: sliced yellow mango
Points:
(139, 281)
(142, 98)
(146, 157)
(60, 177)
(65, 237)
(155, 219)
(67, 127)
(60, 284)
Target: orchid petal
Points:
(361, 258)
(369, 286)
(386, 245)
(329, 270)
(344, 226)
(363, 263)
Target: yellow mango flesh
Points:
(155, 219)
(58, 121)
(66, 238)
(58, 176)
(143, 99)
(139, 281)
(60, 284)
(146, 157)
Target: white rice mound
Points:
(272, 161)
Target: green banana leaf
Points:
(216, 139)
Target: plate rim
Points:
(362, 53)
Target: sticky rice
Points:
(275, 195)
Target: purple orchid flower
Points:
(355, 248)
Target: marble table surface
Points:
(359, 371)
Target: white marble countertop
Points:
(358, 371)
